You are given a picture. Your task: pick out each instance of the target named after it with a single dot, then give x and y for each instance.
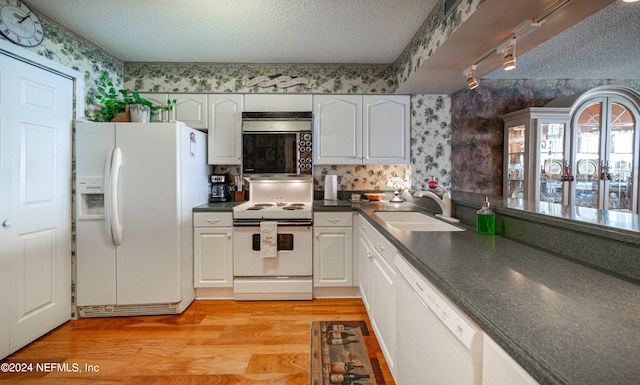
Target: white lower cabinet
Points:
(332, 249)
(378, 281)
(383, 304)
(424, 337)
(213, 250)
(365, 261)
(498, 368)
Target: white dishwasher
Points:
(436, 343)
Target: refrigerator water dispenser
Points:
(91, 202)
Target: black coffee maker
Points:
(220, 191)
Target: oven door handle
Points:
(256, 222)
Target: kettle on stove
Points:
(220, 191)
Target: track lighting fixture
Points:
(508, 51)
(508, 46)
(470, 73)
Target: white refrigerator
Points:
(136, 185)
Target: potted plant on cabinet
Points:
(122, 105)
(169, 108)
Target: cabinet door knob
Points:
(6, 223)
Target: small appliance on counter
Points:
(220, 191)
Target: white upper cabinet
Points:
(277, 102)
(338, 129)
(191, 109)
(386, 129)
(225, 129)
(158, 100)
(357, 129)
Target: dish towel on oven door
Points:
(268, 239)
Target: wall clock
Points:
(19, 24)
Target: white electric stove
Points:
(289, 276)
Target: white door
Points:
(36, 117)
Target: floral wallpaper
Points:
(68, 49)
(218, 78)
(430, 140)
(361, 178)
(431, 35)
(477, 130)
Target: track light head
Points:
(509, 62)
(470, 72)
(472, 83)
(508, 50)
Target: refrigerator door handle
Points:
(112, 174)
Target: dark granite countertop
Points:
(563, 322)
(216, 206)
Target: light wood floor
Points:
(212, 342)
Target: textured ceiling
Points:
(244, 31)
(604, 46)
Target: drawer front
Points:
(332, 219)
(378, 241)
(212, 219)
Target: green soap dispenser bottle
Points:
(486, 222)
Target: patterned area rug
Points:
(341, 353)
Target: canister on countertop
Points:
(330, 187)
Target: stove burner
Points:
(296, 204)
(292, 207)
(254, 208)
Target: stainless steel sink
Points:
(415, 221)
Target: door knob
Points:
(6, 223)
